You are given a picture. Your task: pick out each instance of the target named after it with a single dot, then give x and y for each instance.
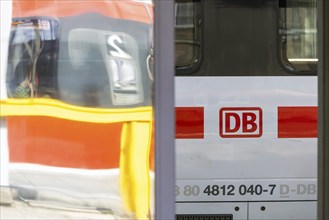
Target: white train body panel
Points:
(237, 169)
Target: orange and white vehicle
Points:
(76, 104)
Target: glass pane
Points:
(78, 120)
(188, 31)
(299, 33)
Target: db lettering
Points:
(299, 189)
(240, 122)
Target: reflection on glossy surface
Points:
(42, 192)
(78, 118)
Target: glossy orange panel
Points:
(123, 9)
(63, 143)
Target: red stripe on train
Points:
(189, 122)
(297, 122)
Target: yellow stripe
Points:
(135, 141)
(58, 109)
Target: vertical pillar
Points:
(164, 58)
(323, 144)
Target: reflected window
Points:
(32, 57)
(298, 35)
(184, 15)
(81, 66)
(188, 34)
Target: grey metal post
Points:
(323, 79)
(164, 109)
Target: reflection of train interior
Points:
(86, 60)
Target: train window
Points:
(188, 34)
(298, 35)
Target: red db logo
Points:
(240, 122)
